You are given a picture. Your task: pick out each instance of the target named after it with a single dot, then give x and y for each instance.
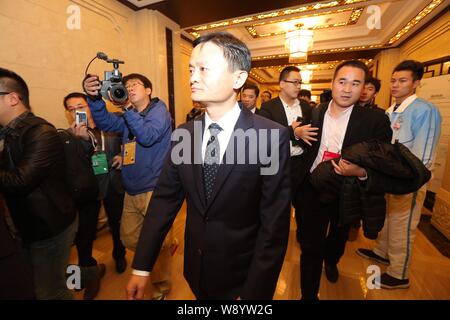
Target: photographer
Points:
(146, 129)
(105, 149)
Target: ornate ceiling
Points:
(343, 29)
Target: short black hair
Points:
(416, 67)
(145, 81)
(234, 50)
(285, 72)
(305, 93)
(74, 95)
(12, 82)
(268, 92)
(376, 83)
(355, 64)
(326, 96)
(251, 86)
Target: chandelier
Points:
(306, 75)
(298, 42)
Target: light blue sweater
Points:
(417, 124)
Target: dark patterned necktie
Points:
(212, 159)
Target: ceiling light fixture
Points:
(298, 42)
(306, 75)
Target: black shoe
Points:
(332, 273)
(369, 254)
(93, 283)
(121, 265)
(389, 282)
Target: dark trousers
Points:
(321, 239)
(16, 273)
(295, 164)
(87, 229)
(113, 203)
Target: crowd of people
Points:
(238, 214)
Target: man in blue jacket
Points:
(145, 126)
(416, 123)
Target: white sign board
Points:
(437, 91)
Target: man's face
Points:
(403, 84)
(368, 93)
(137, 91)
(248, 97)
(78, 104)
(211, 79)
(306, 98)
(291, 86)
(347, 86)
(265, 97)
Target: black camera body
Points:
(113, 86)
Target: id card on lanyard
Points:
(129, 153)
(99, 159)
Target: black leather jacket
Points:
(391, 168)
(32, 178)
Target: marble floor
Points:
(429, 275)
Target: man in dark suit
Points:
(287, 109)
(237, 222)
(249, 94)
(341, 124)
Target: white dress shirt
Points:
(333, 133)
(227, 123)
(292, 112)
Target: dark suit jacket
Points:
(234, 244)
(274, 110)
(364, 124)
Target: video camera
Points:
(112, 86)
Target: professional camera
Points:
(112, 86)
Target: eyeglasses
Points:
(294, 82)
(133, 85)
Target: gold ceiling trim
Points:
(332, 65)
(422, 14)
(284, 55)
(275, 14)
(354, 17)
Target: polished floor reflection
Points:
(430, 276)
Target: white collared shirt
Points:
(292, 112)
(402, 106)
(333, 133)
(227, 123)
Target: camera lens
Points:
(119, 93)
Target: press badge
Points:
(327, 155)
(129, 153)
(99, 163)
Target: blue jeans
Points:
(49, 259)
